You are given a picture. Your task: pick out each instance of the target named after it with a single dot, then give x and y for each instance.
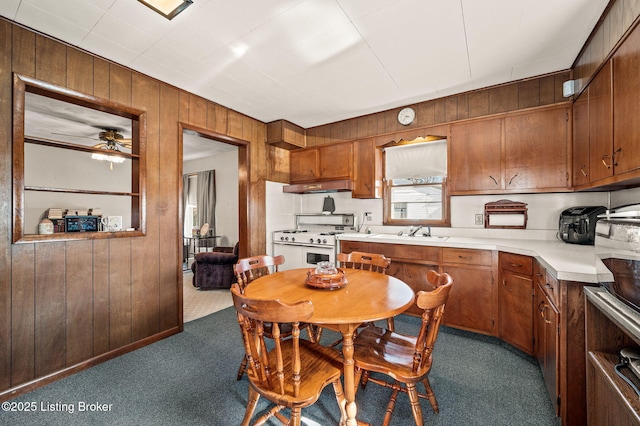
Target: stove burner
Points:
(293, 231)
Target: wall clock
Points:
(406, 116)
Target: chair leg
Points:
(415, 403)
(251, 406)
(242, 368)
(342, 401)
(312, 334)
(295, 416)
(391, 325)
(365, 379)
(430, 395)
(390, 408)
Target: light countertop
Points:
(569, 262)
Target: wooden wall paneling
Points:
(145, 262)
(478, 103)
(439, 111)
(119, 84)
(451, 108)
(277, 164)
(362, 125)
(529, 93)
(170, 254)
(503, 98)
(23, 52)
(119, 292)
(547, 89)
(463, 106)
(184, 106)
(79, 290)
(80, 71)
(235, 124)
(197, 111)
(5, 204)
(101, 297)
(22, 314)
(256, 133)
(50, 332)
(425, 114)
(51, 61)
(598, 52)
(217, 118)
(101, 78)
(311, 136)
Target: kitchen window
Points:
(415, 191)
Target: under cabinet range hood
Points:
(316, 187)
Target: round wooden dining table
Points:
(367, 296)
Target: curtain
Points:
(417, 160)
(185, 197)
(206, 194)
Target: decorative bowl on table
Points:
(326, 276)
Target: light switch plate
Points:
(479, 220)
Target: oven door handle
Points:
(303, 245)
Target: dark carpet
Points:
(189, 379)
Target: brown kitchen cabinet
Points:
(367, 169)
(472, 303)
(547, 332)
(525, 151)
(536, 150)
(581, 162)
(601, 125)
(475, 150)
(304, 165)
(516, 301)
(326, 162)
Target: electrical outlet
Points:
(479, 220)
(368, 215)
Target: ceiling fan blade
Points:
(75, 136)
(100, 145)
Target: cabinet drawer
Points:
(466, 256)
(349, 246)
(406, 252)
(552, 288)
(516, 263)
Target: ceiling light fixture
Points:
(167, 8)
(109, 148)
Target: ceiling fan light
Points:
(105, 157)
(167, 8)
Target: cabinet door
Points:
(547, 343)
(536, 150)
(336, 161)
(471, 300)
(600, 124)
(349, 246)
(581, 139)
(516, 311)
(475, 149)
(415, 275)
(626, 120)
(303, 165)
(367, 170)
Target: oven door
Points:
(312, 255)
(292, 255)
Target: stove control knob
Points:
(324, 241)
(292, 239)
(311, 240)
(286, 238)
(318, 240)
(281, 238)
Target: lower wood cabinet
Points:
(516, 301)
(547, 340)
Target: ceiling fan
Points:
(111, 139)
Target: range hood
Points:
(316, 187)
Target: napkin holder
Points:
(505, 214)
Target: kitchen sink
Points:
(404, 237)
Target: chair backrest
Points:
(276, 370)
(432, 303)
(250, 268)
(368, 261)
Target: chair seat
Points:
(384, 351)
(322, 366)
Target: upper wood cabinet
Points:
(475, 153)
(286, 135)
(518, 152)
(626, 119)
(536, 150)
(581, 172)
(600, 125)
(367, 169)
(325, 162)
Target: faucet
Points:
(412, 232)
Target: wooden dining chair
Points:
(407, 360)
(359, 260)
(251, 268)
(291, 373)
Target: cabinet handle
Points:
(612, 156)
(504, 283)
(541, 308)
(549, 286)
(493, 179)
(512, 178)
(582, 170)
(464, 257)
(515, 265)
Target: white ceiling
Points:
(314, 62)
